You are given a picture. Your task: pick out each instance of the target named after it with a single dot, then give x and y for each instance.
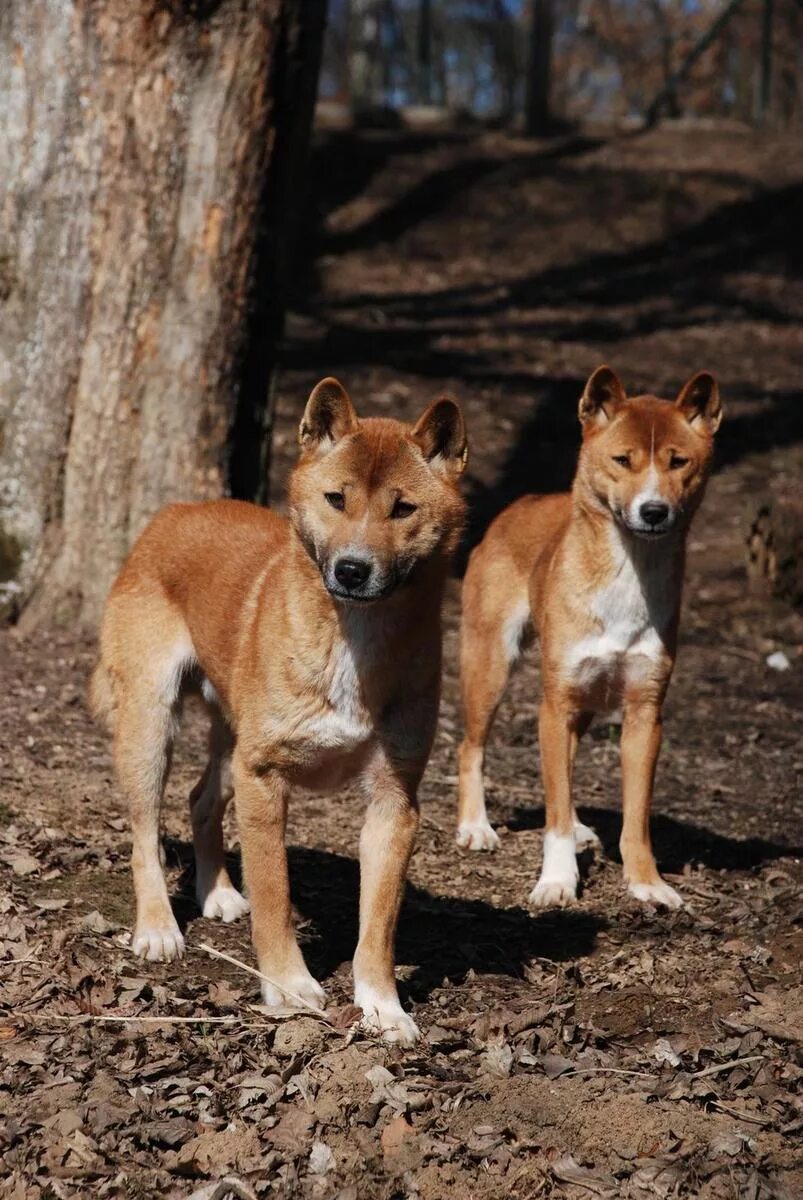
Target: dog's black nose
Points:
(352, 573)
(654, 512)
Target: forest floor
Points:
(603, 1050)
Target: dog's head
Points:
(372, 499)
(647, 460)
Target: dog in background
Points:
(315, 643)
(598, 572)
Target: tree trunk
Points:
(424, 51)
(364, 54)
(139, 145)
(538, 117)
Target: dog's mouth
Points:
(640, 529)
(359, 597)
(648, 533)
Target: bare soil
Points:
(607, 1049)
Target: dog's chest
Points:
(330, 732)
(627, 643)
(345, 722)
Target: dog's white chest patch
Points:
(347, 723)
(627, 644)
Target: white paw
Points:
(551, 893)
(223, 902)
(384, 1015)
(656, 893)
(300, 992)
(477, 835)
(584, 836)
(559, 874)
(158, 944)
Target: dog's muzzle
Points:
(355, 578)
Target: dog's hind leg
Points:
(216, 894)
(144, 734)
(146, 649)
(490, 643)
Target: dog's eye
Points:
(677, 461)
(622, 459)
(402, 508)
(336, 499)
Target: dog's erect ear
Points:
(328, 417)
(602, 395)
(440, 435)
(699, 401)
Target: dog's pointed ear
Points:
(602, 396)
(699, 401)
(328, 417)
(440, 435)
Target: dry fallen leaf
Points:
(395, 1134)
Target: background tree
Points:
(522, 62)
(146, 163)
(538, 117)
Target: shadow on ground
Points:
(439, 936)
(675, 843)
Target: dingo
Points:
(600, 572)
(316, 645)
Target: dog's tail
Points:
(102, 699)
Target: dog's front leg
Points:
(386, 844)
(261, 801)
(641, 744)
(557, 735)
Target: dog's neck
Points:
(610, 551)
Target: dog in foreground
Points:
(315, 643)
(598, 572)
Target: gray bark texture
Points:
(137, 143)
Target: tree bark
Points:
(139, 141)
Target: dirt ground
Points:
(604, 1050)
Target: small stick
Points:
(607, 1071)
(742, 1116)
(75, 1017)
(235, 962)
(718, 1068)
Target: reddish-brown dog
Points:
(316, 644)
(599, 571)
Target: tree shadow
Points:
(438, 936)
(687, 264)
(435, 192)
(542, 459)
(341, 167)
(676, 843)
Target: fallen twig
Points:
(742, 1116)
(235, 962)
(718, 1068)
(607, 1071)
(75, 1018)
